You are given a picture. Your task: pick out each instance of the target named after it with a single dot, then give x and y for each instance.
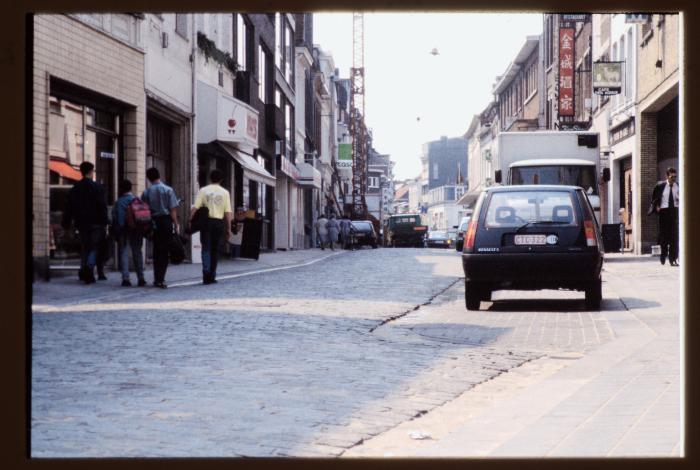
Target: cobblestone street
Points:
(306, 361)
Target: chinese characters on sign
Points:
(566, 72)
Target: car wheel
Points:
(594, 295)
(472, 295)
(374, 246)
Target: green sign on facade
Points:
(344, 155)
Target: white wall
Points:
(168, 69)
(217, 27)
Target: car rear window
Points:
(437, 234)
(362, 225)
(515, 208)
(405, 220)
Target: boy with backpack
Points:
(131, 221)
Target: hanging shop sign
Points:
(566, 72)
(574, 17)
(607, 78)
(107, 155)
(344, 155)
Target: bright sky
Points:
(404, 82)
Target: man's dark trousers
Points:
(211, 237)
(668, 233)
(162, 235)
(90, 237)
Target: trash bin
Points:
(612, 237)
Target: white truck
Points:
(550, 157)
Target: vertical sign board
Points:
(566, 72)
(344, 155)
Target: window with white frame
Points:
(262, 74)
(629, 64)
(435, 171)
(373, 181)
(289, 55)
(278, 40)
(288, 128)
(241, 40)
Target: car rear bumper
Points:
(533, 270)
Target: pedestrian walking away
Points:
(345, 227)
(163, 204)
(128, 233)
(322, 230)
(333, 230)
(218, 201)
(665, 199)
(87, 209)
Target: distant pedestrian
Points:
(345, 229)
(163, 204)
(218, 201)
(333, 230)
(322, 230)
(236, 239)
(87, 208)
(128, 238)
(664, 202)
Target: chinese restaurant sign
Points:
(566, 72)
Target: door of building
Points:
(626, 214)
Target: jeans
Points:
(130, 241)
(161, 240)
(211, 236)
(90, 237)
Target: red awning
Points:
(65, 170)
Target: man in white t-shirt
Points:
(218, 201)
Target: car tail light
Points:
(471, 234)
(589, 228)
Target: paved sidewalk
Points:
(621, 399)
(65, 286)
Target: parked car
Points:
(438, 239)
(362, 233)
(461, 230)
(530, 238)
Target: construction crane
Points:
(358, 129)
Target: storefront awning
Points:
(65, 170)
(309, 177)
(252, 169)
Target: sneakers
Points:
(142, 282)
(101, 277)
(126, 283)
(208, 279)
(161, 285)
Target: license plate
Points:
(530, 239)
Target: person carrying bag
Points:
(217, 200)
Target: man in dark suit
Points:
(87, 207)
(664, 202)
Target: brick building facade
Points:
(88, 105)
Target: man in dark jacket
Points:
(87, 208)
(664, 202)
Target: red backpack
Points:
(138, 216)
